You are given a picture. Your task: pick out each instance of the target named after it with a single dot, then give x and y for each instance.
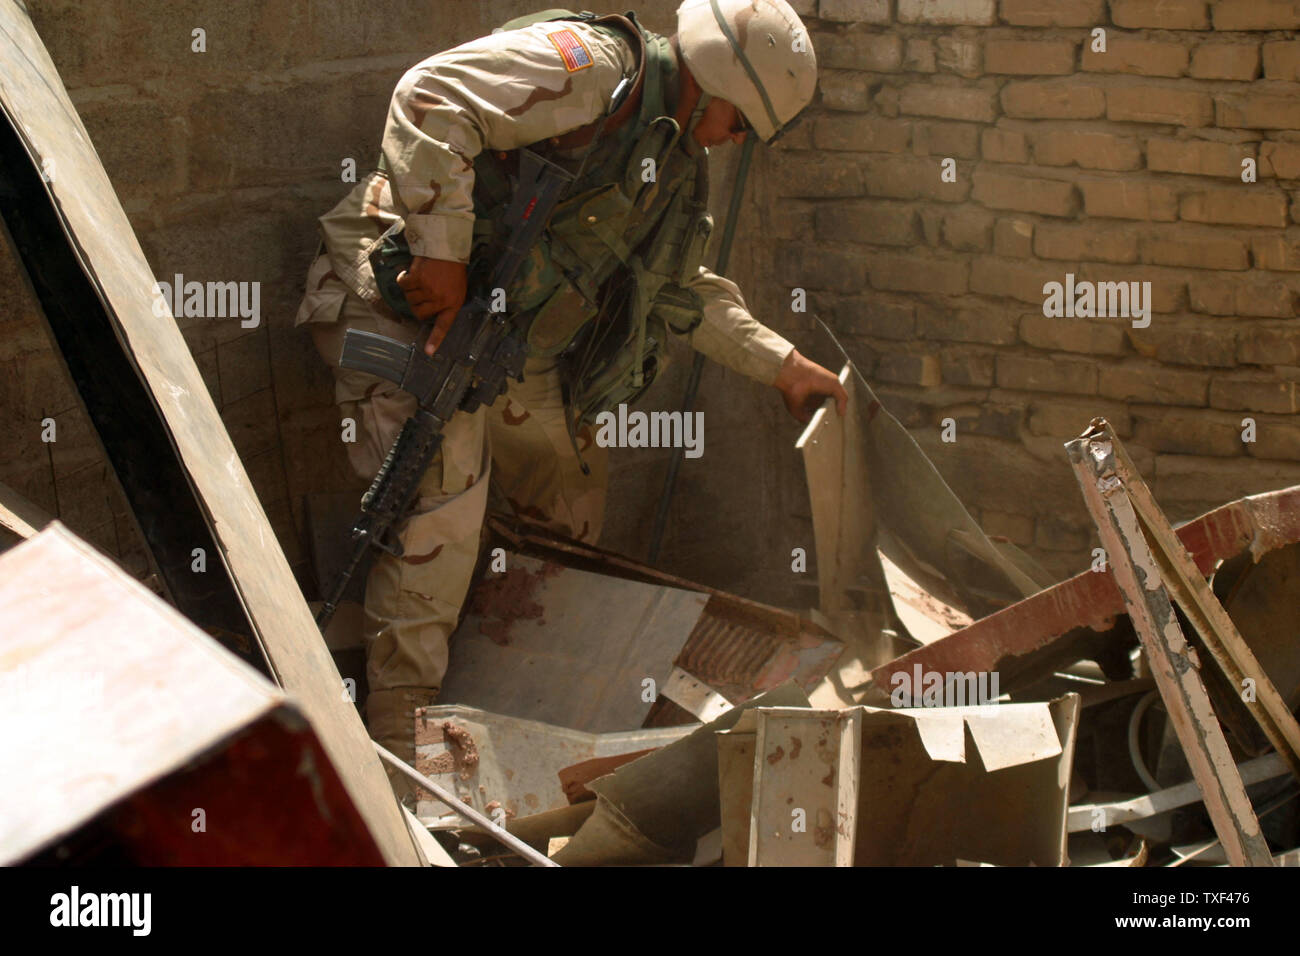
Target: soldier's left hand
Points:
(804, 385)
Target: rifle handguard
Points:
(398, 480)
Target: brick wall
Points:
(1117, 166)
(223, 160)
(1123, 166)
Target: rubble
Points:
(1148, 563)
(597, 711)
(867, 782)
(520, 765)
(1083, 617)
(869, 787)
(659, 808)
(730, 761)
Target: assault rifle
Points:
(482, 349)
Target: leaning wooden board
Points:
(19, 516)
(95, 229)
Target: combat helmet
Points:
(756, 54)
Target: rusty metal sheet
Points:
(100, 723)
(872, 486)
(738, 648)
(148, 401)
(895, 546)
(741, 649)
(1254, 525)
(1263, 600)
(491, 760)
(567, 647)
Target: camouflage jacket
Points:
(499, 92)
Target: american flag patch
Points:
(574, 54)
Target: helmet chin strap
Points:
(688, 135)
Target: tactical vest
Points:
(608, 280)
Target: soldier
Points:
(620, 266)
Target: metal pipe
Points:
(469, 813)
(697, 367)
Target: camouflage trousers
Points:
(520, 444)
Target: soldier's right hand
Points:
(434, 289)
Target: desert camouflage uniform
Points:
(499, 92)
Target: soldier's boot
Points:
(390, 716)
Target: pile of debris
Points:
(946, 704)
(941, 707)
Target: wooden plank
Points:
(1211, 621)
(19, 515)
(97, 235)
(1172, 660)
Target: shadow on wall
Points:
(224, 147)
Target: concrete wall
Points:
(1122, 166)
